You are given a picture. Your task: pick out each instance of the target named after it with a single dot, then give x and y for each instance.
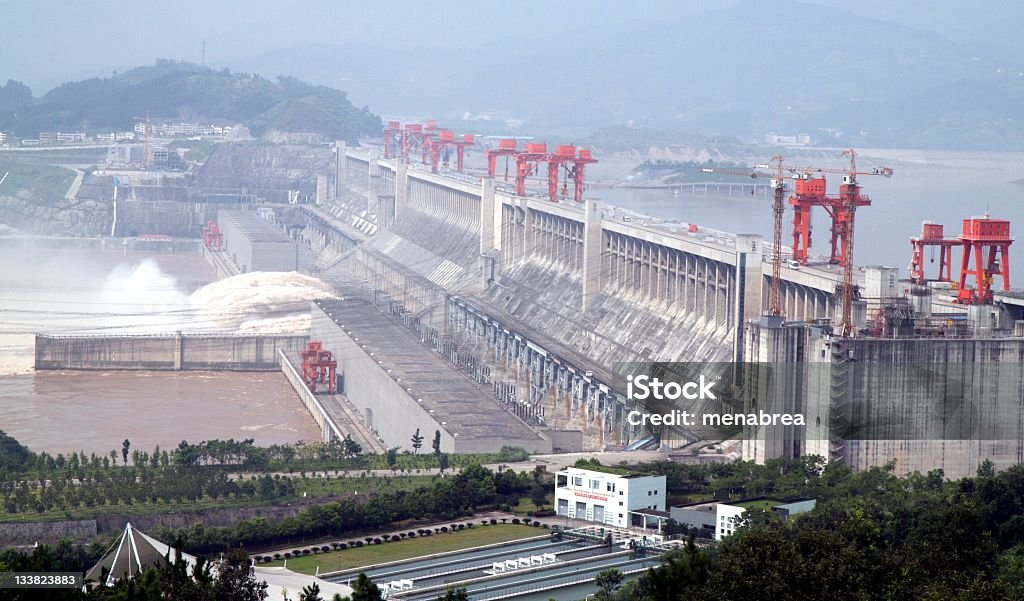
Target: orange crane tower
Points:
(810, 192)
(778, 208)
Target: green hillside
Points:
(173, 90)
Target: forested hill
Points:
(173, 90)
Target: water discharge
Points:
(162, 293)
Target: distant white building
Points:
(717, 519)
(3, 138)
(774, 139)
(608, 495)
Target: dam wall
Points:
(923, 403)
(172, 352)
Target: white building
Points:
(715, 519)
(607, 495)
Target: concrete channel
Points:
(576, 562)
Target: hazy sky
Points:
(47, 41)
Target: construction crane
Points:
(810, 192)
(842, 209)
(778, 208)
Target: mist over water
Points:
(80, 294)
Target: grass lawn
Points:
(47, 183)
(408, 548)
(526, 505)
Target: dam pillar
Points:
(592, 246)
(179, 351)
(528, 234)
(749, 277)
(340, 163)
(401, 186)
(490, 232)
(373, 185)
(321, 189)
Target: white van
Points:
(794, 264)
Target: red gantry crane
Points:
(981, 234)
(527, 163)
(213, 238)
(565, 158)
(506, 148)
(392, 139)
(319, 367)
(932, 235)
(444, 140)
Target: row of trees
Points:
(137, 485)
(445, 498)
(16, 461)
(873, 536)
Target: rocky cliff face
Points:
(75, 217)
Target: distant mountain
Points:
(173, 90)
(782, 66)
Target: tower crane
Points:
(810, 192)
(778, 208)
(843, 210)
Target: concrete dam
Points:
(541, 300)
(461, 307)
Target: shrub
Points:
(514, 520)
(395, 538)
(469, 524)
(305, 551)
(277, 556)
(377, 541)
(412, 535)
(444, 528)
(494, 521)
(463, 526)
(325, 548)
(341, 546)
(359, 543)
(287, 555)
(536, 523)
(316, 550)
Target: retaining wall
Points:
(170, 352)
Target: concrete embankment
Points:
(174, 352)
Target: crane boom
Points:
(778, 183)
